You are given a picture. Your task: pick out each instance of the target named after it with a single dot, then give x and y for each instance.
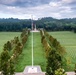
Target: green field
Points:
(67, 40)
(39, 54)
(7, 36)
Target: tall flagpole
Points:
(32, 40)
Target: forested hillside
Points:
(48, 23)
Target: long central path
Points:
(38, 51)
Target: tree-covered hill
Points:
(48, 23)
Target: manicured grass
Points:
(39, 54)
(7, 36)
(67, 40)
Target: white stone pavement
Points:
(70, 73)
(36, 70)
(43, 73)
(29, 70)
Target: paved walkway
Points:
(34, 69)
(43, 73)
(70, 73)
(29, 70)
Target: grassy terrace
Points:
(68, 40)
(39, 54)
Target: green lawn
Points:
(67, 40)
(7, 36)
(39, 54)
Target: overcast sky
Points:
(23, 9)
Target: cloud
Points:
(69, 1)
(24, 3)
(38, 8)
(7, 2)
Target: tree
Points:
(15, 51)
(75, 69)
(5, 47)
(16, 40)
(11, 68)
(4, 62)
(5, 56)
(5, 69)
(24, 39)
(8, 45)
(53, 62)
(60, 71)
(43, 37)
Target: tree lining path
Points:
(38, 56)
